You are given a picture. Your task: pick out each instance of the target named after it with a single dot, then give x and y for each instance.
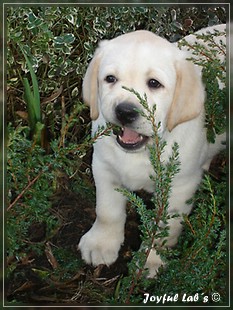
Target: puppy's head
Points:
(150, 65)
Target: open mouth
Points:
(130, 139)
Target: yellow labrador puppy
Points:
(150, 65)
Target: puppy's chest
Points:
(134, 173)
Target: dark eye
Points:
(152, 83)
(110, 79)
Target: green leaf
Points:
(66, 39)
(69, 38)
(29, 98)
(32, 97)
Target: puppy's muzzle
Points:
(129, 139)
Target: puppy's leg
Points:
(177, 205)
(154, 260)
(101, 244)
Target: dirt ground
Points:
(35, 280)
(39, 279)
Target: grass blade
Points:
(34, 103)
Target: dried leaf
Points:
(49, 254)
(23, 115)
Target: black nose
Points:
(126, 113)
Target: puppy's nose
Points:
(126, 113)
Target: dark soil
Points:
(44, 279)
(47, 278)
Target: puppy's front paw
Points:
(153, 263)
(99, 246)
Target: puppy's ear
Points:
(189, 95)
(90, 85)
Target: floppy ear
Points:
(90, 85)
(189, 95)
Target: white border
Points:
(229, 139)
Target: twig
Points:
(25, 189)
(205, 55)
(135, 281)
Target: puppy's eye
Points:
(110, 79)
(152, 83)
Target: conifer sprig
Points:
(154, 223)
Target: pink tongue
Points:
(130, 136)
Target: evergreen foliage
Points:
(212, 58)
(202, 246)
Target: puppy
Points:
(150, 65)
